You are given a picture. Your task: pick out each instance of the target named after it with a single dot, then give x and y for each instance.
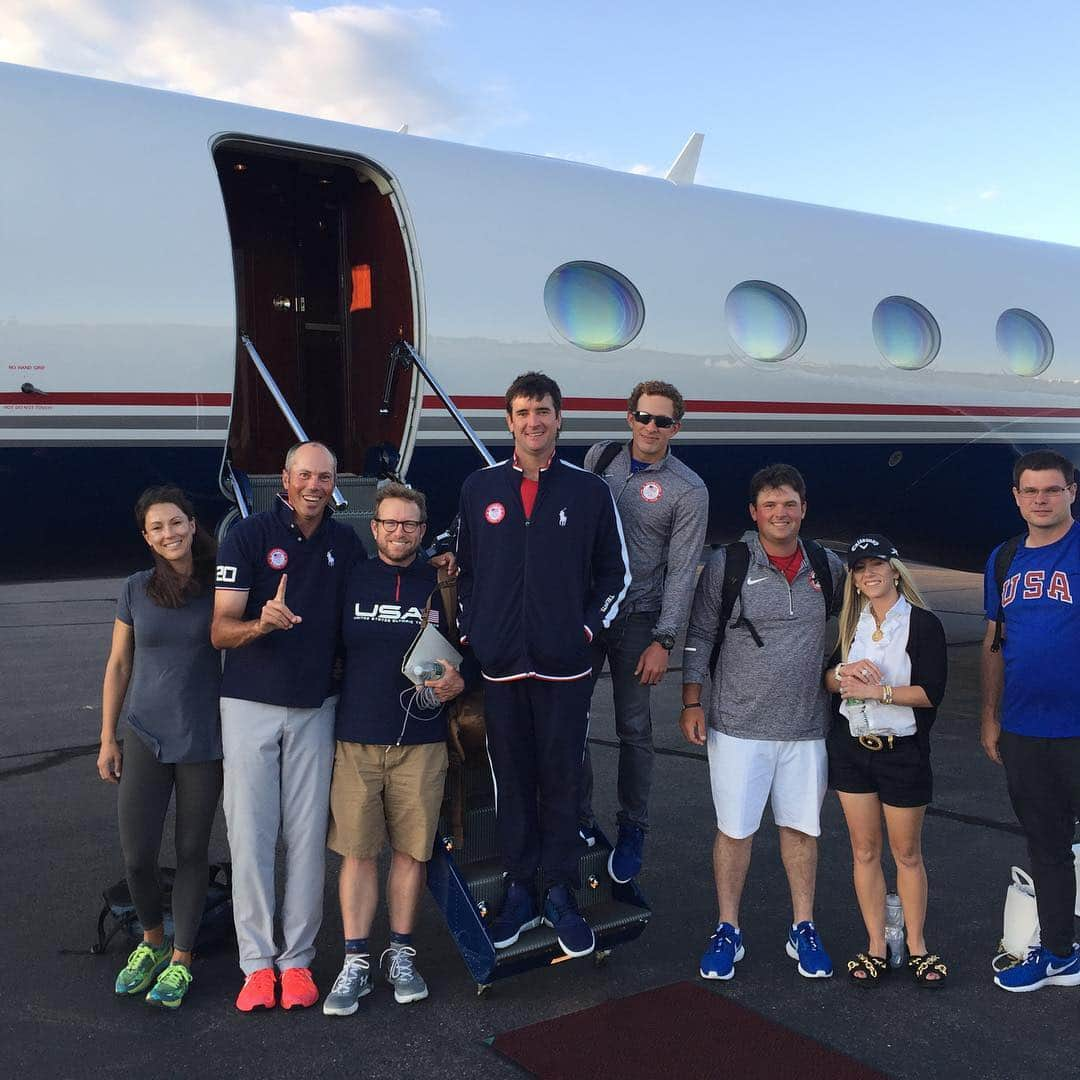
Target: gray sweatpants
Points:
(278, 763)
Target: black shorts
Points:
(899, 777)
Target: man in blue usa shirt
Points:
(1030, 713)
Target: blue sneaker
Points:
(561, 914)
(804, 945)
(724, 951)
(587, 832)
(518, 914)
(1041, 968)
(624, 862)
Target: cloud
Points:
(356, 63)
(989, 194)
(641, 170)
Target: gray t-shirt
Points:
(172, 699)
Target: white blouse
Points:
(891, 656)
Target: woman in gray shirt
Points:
(162, 677)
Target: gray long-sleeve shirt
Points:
(772, 692)
(664, 510)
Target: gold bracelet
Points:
(886, 694)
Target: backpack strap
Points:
(819, 563)
(736, 564)
(607, 456)
(1002, 562)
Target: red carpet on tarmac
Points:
(674, 1032)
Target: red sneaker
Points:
(258, 991)
(298, 989)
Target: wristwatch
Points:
(665, 640)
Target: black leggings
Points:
(1044, 786)
(146, 786)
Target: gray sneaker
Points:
(352, 983)
(408, 984)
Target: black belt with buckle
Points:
(877, 742)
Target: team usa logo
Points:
(277, 559)
(814, 583)
(1035, 587)
(494, 513)
(651, 491)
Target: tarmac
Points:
(58, 836)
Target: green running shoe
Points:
(143, 966)
(171, 986)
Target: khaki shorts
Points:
(386, 791)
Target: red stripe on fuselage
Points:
(799, 407)
(60, 398)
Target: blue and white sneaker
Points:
(625, 859)
(804, 945)
(1041, 968)
(561, 914)
(724, 951)
(587, 832)
(518, 914)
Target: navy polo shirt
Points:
(383, 613)
(287, 667)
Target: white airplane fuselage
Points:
(123, 291)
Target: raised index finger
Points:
(280, 595)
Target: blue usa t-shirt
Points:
(1040, 597)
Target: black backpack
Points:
(1002, 562)
(607, 456)
(736, 564)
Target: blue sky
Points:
(962, 113)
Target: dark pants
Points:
(622, 645)
(146, 785)
(1044, 786)
(536, 733)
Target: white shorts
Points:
(743, 773)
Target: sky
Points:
(952, 111)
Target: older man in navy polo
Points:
(280, 579)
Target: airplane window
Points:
(1025, 342)
(906, 333)
(593, 306)
(764, 321)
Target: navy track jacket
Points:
(534, 592)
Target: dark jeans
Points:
(536, 731)
(146, 785)
(622, 645)
(1044, 786)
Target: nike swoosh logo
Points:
(1051, 970)
(755, 580)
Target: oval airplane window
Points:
(1025, 342)
(593, 306)
(764, 321)
(906, 334)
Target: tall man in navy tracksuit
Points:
(543, 568)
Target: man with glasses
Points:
(543, 570)
(664, 508)
(1030, 714)
(390, 762)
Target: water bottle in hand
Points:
(429, 671)
(894, 930)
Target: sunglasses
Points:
(645, 418)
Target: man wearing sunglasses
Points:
(664, 508)
(1030, 717)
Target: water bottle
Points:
(426, 672)
(894, 930)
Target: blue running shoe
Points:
(518, 914)
(724, 951)
(1041, 968)
(804, 945)
(561, 914)
(624, 862)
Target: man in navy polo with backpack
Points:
(277, 612)
(543, 568)
(1030, 716)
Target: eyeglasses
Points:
(390, 525)
(1054, 492)
(645, 418)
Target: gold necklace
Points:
(878, 633)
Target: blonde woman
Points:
(888, 677)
